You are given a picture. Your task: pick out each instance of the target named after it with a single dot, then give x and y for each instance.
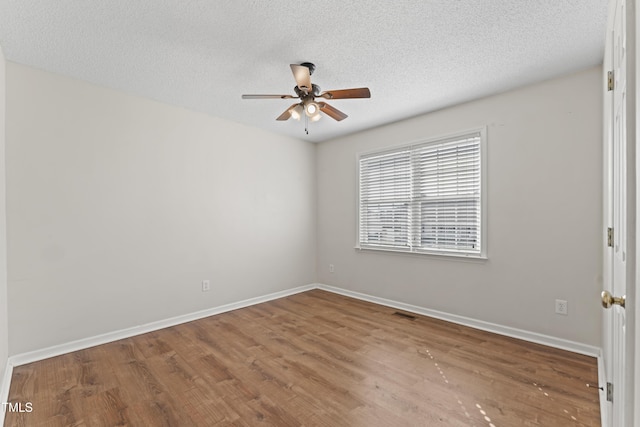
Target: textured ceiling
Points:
(415, 56)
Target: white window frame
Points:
(482, 253)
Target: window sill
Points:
(445, 255)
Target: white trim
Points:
(443, 254)
(81, 344)
(534, 337)
(390, 147)
(5, 384)
(602, 395)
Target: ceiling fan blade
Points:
(268, 96)
(288, 112)
(361, 92)
(302, 76)
(334, 113)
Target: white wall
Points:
(118, 207)
(4, 340)
(544, 213)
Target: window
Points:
(424, 198)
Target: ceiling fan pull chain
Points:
(306, 124)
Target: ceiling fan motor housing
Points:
(315, 91)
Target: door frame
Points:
(632, 339)
(633, 296)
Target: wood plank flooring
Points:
(312, 359)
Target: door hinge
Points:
(610, 81)
(609, 392)
(610, 237)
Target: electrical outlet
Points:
(331, 268)
(562, 307)
(206, 285)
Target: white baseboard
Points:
(81, 344)
(5, 383)
(34, 356)
(547, 340)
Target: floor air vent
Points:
(405, 315)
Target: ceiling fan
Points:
(308, 92)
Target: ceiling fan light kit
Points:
(311, 108)
(307, 92)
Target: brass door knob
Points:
(608, 300)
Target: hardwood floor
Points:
(313, 359)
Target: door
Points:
(619, 125)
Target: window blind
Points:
(423, 198)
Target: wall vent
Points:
(405, 315)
